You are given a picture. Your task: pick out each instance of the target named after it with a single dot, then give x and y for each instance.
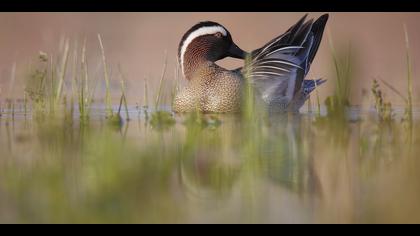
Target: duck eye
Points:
(218, 34)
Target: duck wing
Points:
(277, 69)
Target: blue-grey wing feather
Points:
(277, 70)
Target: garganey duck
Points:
(276, 70)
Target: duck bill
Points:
(235, 52)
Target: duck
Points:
(276, 71)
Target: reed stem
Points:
(161, 82)
(107, 80)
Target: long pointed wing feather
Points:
(277, 69)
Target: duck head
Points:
(206, 42)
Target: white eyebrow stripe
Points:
(197, 33)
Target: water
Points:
(215, 169)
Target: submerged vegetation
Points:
(64, 163)
(384, 109)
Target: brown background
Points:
(138, 41)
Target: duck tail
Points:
(310, 85)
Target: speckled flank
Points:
(211, 89)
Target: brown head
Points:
(206, 42)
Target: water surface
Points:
(211, 169)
